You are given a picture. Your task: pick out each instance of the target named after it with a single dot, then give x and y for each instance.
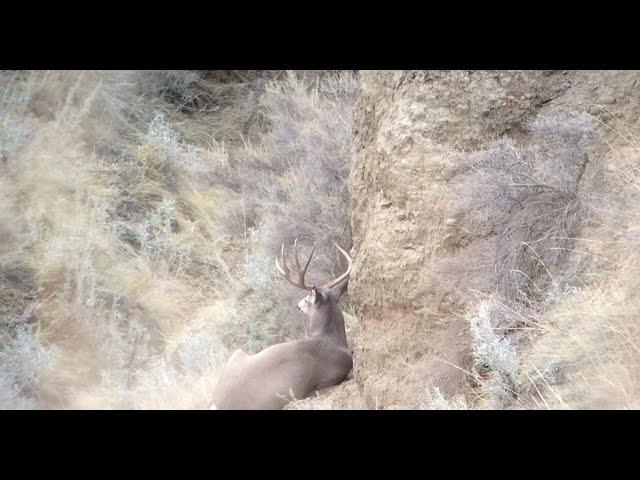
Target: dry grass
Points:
(588, 350)
(575, 342)
(140, 213)
(121, 284)
(555, 322)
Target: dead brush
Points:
(588, 354)
(517, 213)
(271, 197)
(526, 201)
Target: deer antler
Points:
(335, 282)
(284, 270)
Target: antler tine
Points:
(284, 270)
(284, 262)
(279, 268)
(303, 272)
(295, 251)
(345, 274)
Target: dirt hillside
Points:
(410, 130)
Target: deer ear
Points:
(316, 295)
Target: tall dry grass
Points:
(132, 255)
(586, 352)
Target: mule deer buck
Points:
(267, 379)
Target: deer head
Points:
(320, 301)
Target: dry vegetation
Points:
(139, 215)
(556, 321)
(587, 351)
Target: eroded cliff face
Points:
(409, 128)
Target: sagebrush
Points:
(140, 213)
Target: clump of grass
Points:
(317, 402)
(435, 401)
(588, 354)
(493, 355)
(24, 361)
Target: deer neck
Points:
(328, 321)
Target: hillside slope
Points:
(486, 206)
(493, 217)
(140, 212)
